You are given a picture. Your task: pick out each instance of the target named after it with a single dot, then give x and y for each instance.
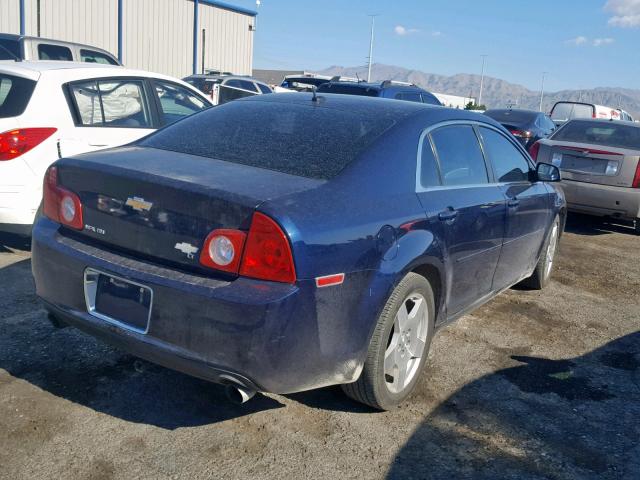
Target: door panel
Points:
(470, 210)
(527, 207)
(473, 237)
(527, 220)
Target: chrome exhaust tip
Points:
(238, 394)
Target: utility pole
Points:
(544, 74)
(484, 57)
(373, 24)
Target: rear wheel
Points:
(636, 226)
(542, 273)
(399, 346)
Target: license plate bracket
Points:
(118, 300)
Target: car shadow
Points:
(542, 418)
(10, 242)
(77, 367)
(593, 226)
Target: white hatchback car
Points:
(53, 109)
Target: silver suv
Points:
(21, 47)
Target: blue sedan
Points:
(287, 242)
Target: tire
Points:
(636, 226)
(376, 387)
(542, 273)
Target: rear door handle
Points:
(513, 202)
(448, 215)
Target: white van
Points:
(564, 111)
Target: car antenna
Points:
(315, 96)
(357, 77)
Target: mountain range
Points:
(496, 93)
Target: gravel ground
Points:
(532, 385)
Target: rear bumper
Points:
(268, 336)
(602, 200)
(18, 206)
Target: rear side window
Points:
(264, 88)
(54, 52)
(429, 175)
(9, 49)
(508, 163)
(91, 56)
(15, 93)
(243, 84)
(348, 89)
(430, 99)
(563, 111)
(610, 134)
(460, 156)
(301, 140)
(409, 96)
(111, 103)
(177, 102)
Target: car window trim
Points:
(75, 111)
(491, 174)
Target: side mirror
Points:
(548, 173)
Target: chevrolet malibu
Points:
(287, 242)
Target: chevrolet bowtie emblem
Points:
(186, 248)
(138, 204)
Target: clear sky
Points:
(581, 43)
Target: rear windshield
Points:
(567, 111)
(9, 49)
(511, 116)
(609, 134)
(15, 93)
(304, 140)
(348, 89)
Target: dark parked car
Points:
(386, 89)
(286, 242)
(225, 88)
(527, 126)
(304, 83)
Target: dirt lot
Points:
(533, 385)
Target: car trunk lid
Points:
(162, 204)
(595, 164)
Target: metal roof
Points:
(228, 6)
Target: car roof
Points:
(33, 69)
(364, 105)
(514, 110)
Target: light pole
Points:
(373, 24)
(484, 57)
(544, 74)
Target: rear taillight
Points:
(222, 250)
(521, 133)
(636, 177)
(534, 150)
(263, 253)
(267, 254)
(14, 143)
(59, 204)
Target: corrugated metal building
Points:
(175, 37)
